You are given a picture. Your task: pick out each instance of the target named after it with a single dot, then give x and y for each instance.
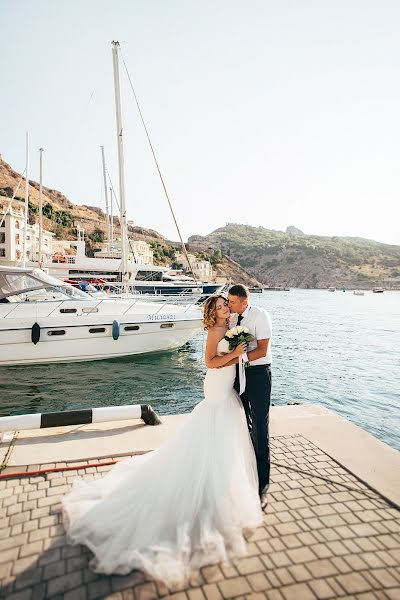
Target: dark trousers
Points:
(256, 401)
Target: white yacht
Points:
(44, 320)
(142, 278)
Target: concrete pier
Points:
(332, 528)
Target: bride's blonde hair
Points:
(209, 317)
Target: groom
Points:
(256, 397)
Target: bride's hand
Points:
(239, 349)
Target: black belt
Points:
(259, 366)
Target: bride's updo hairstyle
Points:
(209, 311)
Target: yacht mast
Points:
(40, 261)
(124, 232)
(112, 219)
(106, 196)
(26, 200)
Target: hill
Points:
(250, 254)
(289, 259)
(62, 217)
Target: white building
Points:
(142, 251)
(12, 240)
(202, 268)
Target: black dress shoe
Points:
(264, 501)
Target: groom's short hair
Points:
(239, 290)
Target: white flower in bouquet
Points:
(236, 336)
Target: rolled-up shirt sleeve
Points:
(263, 326)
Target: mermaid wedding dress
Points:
(180, 507)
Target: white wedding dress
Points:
(180, 507)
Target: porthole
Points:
(166, 325)
(90, 309)
(68, 310)
(131, 327)
(97, 330)
(56, 332)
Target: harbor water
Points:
(337, 349)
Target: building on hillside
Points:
(202, 268)
(141, 250)
(12, 240)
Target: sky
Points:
(265, 112)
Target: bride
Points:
(184, 505)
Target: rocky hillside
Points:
(60, 215)
(294, 259)
(245, 254)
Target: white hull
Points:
(77, 346)
(87, 332)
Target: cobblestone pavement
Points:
(320, 539)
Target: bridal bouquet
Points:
(236, 336)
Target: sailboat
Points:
(43, 319)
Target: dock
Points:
(332, 527)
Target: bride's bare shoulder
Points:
(216, 333)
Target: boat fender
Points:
(116, 326)
(35, 333)
(149, 416)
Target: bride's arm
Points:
(212, 360)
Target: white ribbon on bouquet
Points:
(242, 372)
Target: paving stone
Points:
(363, 529)
(60, 585)
(99, 589)
(9, 555)
(341, 565)
(322, 568)
(39, 534)
(32, 548)
(50, 556)
(39, 591)
(13, 541)
(228, 570)
(353, 583)
(28, 578)
(212, 573)
(79, 593)
(21, 517)
(146, 591)
(22, 595)
(337, 548)
(212, 592)
(297, 591)
(291, 541)
(22, 564)
(315, 538)
(284, 576)
(301, 555)
(234, 587)
(356, 562)
(195, 594)
(384, 577)
(258, 582)
(122, 582)
(299, 573)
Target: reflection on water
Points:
(338, 350)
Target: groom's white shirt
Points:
(259, 325)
